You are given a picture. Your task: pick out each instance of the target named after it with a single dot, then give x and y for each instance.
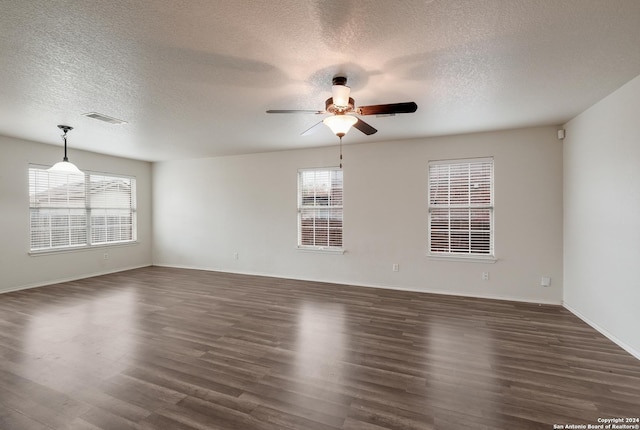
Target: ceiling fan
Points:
(342, 109)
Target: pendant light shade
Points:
(65, 166)
(340, 124)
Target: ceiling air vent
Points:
(105, 118)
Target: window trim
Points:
(316, 248)
(87, 207)
(81, 248)
(462, 256)
(321, 250)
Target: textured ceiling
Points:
(194, 78)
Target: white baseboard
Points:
(385, 286)
(74, 278)
(604, 332)
(458, 294)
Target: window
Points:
(74, 211)
(461, 208)
(320, 208)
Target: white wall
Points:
(18, 269)
(207, 209)
(602, 216)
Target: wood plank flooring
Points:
(160, 348)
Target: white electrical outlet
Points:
(545, 281)
(105, 256)
(395, 267)
(485, 276)
(235, 256)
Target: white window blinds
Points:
(57, 210)
(76, 210)
(461, 207)
(112, 203)
(320, 208)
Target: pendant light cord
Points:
(65, 129)
(64, 138)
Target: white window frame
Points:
(449, 205)
(84, 207)
(331, 206)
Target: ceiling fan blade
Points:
(364, 127)
(388, 109)
(311, 129)
(295, 111)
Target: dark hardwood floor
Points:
(160, 348)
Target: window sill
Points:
(488, 259)
(81, 248)
(321, 250)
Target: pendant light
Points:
(65, 166)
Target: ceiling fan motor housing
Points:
(339, 80)
(331, 108)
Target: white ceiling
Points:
(194, 78)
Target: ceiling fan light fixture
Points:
(65, 166)
(340, 124)
(340, 95)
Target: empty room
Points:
(320, 214)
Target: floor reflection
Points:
(459, 368)
(82, 340)
(320, 345)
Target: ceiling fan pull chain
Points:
(341, 152)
